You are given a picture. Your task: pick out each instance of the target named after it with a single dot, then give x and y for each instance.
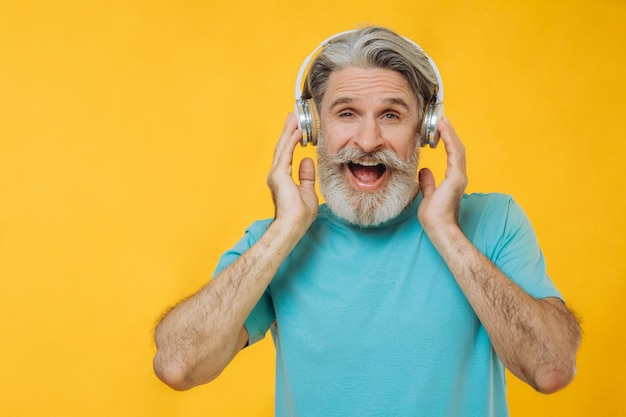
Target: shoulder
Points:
(492, 206)
(491, 215)
(477, 207)
(252, 234)
(257, 229)
(486, 201)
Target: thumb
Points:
(426, 182)
(306, 173)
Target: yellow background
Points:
(135, 137)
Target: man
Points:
(394, 298)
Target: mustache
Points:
(384, 157)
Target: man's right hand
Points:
(296, 205)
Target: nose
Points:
(369, 135)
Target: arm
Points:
(537, 340)
(202, 334)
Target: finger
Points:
(306, 173)
(289, 137)
(455, 149)
(426, 182)
(451, 140)
(281, 170)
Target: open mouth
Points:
(366, 173)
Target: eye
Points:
(391, 116)
(345, 113)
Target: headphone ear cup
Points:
(316, 126)
(429, 132)
(308, 120)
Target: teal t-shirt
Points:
(370, 322)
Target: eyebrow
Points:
(341, 101)
(390, 101)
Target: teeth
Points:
(365, 163)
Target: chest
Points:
(343, 293)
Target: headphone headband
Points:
(325, 42)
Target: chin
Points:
(368, 208)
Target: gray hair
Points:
(373, 47)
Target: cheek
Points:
(403, 142)
(335, 136)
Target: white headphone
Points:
(309, 120)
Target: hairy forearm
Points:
(537, 340)
(201, 335)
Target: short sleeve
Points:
(519, 256)
(500, 229)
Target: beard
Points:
(364, 208)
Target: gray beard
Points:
(361, 208)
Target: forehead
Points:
(379, 84)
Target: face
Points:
(367, 158)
